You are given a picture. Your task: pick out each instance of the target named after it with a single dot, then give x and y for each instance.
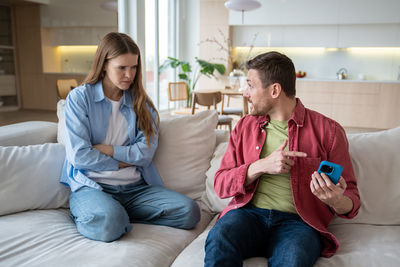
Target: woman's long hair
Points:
(113, 45)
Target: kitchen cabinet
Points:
(340, 36)
(312, 12)
(353, 104)
(77, 22)
(315, 23)
(77, 35)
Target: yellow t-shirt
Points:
(274, 190)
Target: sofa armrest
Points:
(28, 133)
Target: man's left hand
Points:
(105, 149)
(331, 194)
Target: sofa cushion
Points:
(185, 147)
(209, 197)
(375, 157)
(50, 238)
(28, 133)
(360, 245)
(30, 178)
(193, 255)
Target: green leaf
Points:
(220, 68)
(163, 67)
(183, 76)
(186, 67)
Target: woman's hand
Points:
(123, 165)
(105, 149)
(109, 151)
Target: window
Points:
(158, 48)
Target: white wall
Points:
(214, 28)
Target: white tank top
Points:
(117, 134)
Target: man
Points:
(281, 205)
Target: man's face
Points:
(259, 98)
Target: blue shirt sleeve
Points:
(79, 150)
(138, 153)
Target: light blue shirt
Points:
(87, 113)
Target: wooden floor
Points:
(9, 117)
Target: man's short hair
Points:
(274, 67)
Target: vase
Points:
(189, 99)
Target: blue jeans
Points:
(106, 215)
(284, 238)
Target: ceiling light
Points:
(242, 5)
(110, 5)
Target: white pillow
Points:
(376, 163)
(210, 198)
(184, 151)
(61, 121)
(28, 133)
(30, 178)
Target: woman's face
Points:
(121, 70)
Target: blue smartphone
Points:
(332, 170)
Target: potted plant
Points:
(191, 77)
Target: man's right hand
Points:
(277, 162)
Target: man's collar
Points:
(297, 115)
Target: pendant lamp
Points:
(242, 5)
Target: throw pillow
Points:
(184, 151)
(376, 159)
(210, 198)
(28, 133)
(30, 178)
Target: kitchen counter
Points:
(353, 103)
(346, 80)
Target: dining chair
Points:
(177, 91)
(209, 99)
(230, 110)
(64, 86)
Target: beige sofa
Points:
(36, 230)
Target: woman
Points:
(111, 137)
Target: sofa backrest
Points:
(28, 133)
(376, 162)
(29, 175)
(185, 148)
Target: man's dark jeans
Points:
(284, 238)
